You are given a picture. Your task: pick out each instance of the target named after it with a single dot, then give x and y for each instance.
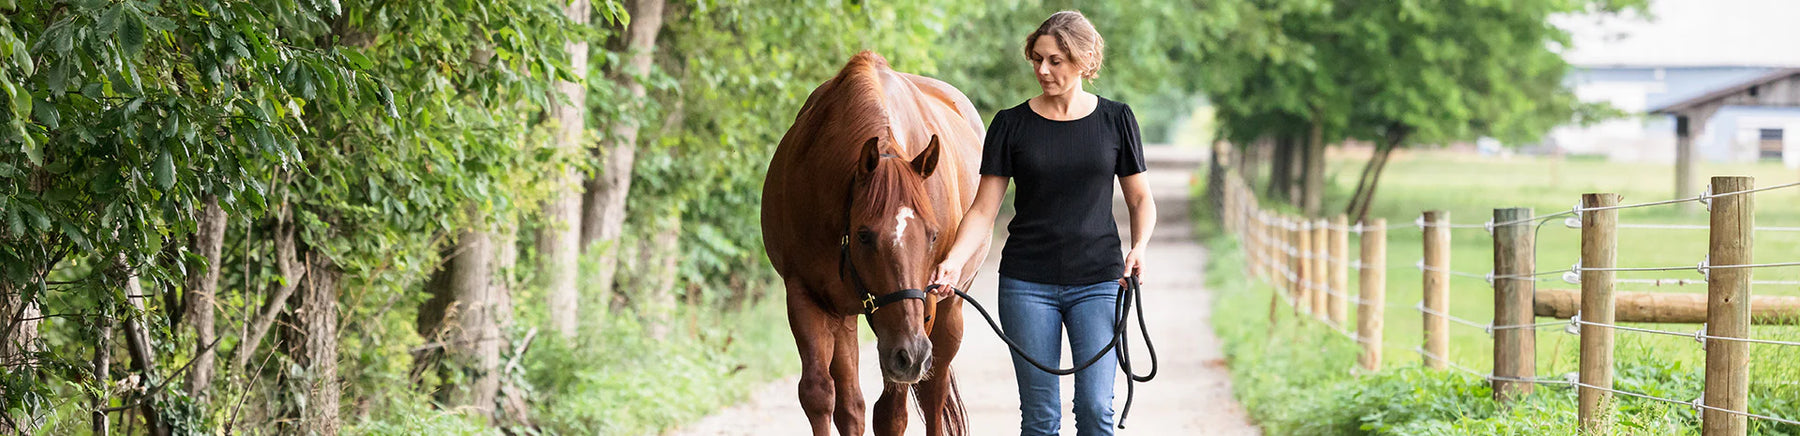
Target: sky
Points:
(1690, 33)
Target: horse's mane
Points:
(859, 94)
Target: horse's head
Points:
(892, 249)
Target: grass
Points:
(1470, 187)
(627, 382)
(616, 379)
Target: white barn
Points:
(1691, 50)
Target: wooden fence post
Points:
(1321, 270)
(1728, 307)
(1339, 279)
(1253, 244)
(1599, 249)
(1290, 261)
(1437, 287)
(1304, 258)
(1515, 347)
(1373, 292)
(1266, 260)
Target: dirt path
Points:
(1190, 396)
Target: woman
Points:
(1061, 264)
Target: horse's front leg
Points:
(844, 375)
(814, 338)
(940, 405)
(890, 409)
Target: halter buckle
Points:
(868, 303)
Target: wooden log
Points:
(1373, 290)
(1665, 308)
(1599, 249)
(1728, 308)
(1338, 278)
(1437, 287)
(1515, 349)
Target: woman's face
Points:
(1056, 72)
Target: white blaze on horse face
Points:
(900, 223)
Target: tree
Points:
(1392, 73)
(559, 241)
(604, 205)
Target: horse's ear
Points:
(871, 154)
(926, 162)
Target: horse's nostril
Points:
(902, 359)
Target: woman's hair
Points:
(1076, 37)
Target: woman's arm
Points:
(1143, 219)
(977, 226)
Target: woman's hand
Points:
(946, 276)
(1134, 265)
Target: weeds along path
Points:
(1191, 394)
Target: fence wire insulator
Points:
(1574, 220)
(1705, 268)
(1420, 221)
(1697, 404)
(1489, 278)
(1574, 327)
(1700, 336)
(1706, 197)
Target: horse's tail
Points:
(956, 418)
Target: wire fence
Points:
(1268, 249)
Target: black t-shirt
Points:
(1063, 232)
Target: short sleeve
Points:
(996, 151)
(1131, 147)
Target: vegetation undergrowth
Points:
(631, 382)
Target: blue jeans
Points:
(1034, 314)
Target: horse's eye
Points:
(933, 234)
(866, 237)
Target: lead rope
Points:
(1129, 296)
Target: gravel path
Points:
(1190, 396)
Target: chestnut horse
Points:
(861, 202)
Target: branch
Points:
(150, 393)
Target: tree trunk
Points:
(102, 374)
(664, 248)
(1215, 181)
(1280, 169)
(292, 270)
(513, 411)
(460, 317)
(559, 240)
(603, 220)
(22, 321)
(1382, 154)
(312, 346)
(1312, 186)
(1362, 183)
(1248, 159)
(143, 353)
(202, 295)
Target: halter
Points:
(870, 302)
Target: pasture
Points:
(1469, 187)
